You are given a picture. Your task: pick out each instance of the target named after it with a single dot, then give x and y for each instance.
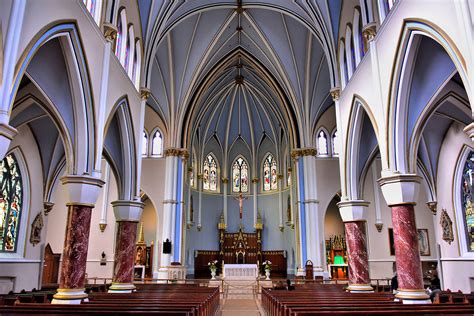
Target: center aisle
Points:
(242, 307)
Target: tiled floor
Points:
(242, 307)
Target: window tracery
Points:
(270, 178)
(240, 175)
(209, 177)
(11, 202)
(322, 142)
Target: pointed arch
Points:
(83, 142)
(120, 148)
(156, 143)
(360, 118)
(210, 177)
(240, 171)
(399, 95)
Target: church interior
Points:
(213, 156)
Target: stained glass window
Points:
(467, 198)
(127, 52)
(157, 144)
(270, 178)
(144, 144)
(322, 144)
(11, 201)
(240, 176)
(335, 143)
(118, 46)
(288, 180)
(209, 177)
(191, 172)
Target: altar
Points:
(240, 271)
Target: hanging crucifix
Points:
(241, 199)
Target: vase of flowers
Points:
(213, 267)
(267, 266)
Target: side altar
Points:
(239, 248)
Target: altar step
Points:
(240, 289)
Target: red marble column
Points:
(73, 267)
(406, 248)
(358, 260)
(125, 253)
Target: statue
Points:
(36, 227)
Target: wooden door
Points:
(51, 266)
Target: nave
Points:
(194, 154)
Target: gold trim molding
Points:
(176, 152)
(369, 31)
(301, 152)
(335, 93)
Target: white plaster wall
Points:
(457, 270)
(24, 269)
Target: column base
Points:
(69, 296)
(122, 288)
(360, 288)
(417, 296)
(163, 274)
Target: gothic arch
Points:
(350, 150)
(82, 100)
(401, 80)
(120, 147)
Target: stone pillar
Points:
(354, 216)
(400, 192)
(83, 192)
(225, 184)
(127, 215)
(255, 202)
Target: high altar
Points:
(240, 248)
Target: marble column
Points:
(354, 216)
(127, 214)
(400, 192)
(83, 192)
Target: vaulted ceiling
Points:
(280, 50)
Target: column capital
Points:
(145, 93)
(47, 207)
(469, 130)
(225, 180)
(82, 189)
(335, 93)
(352, 211)
(301, 152)
(110, 32)
(130, 211)
(176, 152)
(399, 189)
(369, 31)
(255, 180)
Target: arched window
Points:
(357, 37)
(349, 61)
(270, 178)
(128, 52)
(137, 61)
(209, 177)
(11, 202)
(335, 143)
(121, 36)
(467, 195)
(144, 144)
(322, 143)
(157, 144)
(240, 175)
(94, 7)
(288, 179)
(191, 171)
(343, 63)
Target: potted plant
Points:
(267, 266)
(213, 267)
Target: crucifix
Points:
(241, 199)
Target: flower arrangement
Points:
(267, 265)
(212, 265)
